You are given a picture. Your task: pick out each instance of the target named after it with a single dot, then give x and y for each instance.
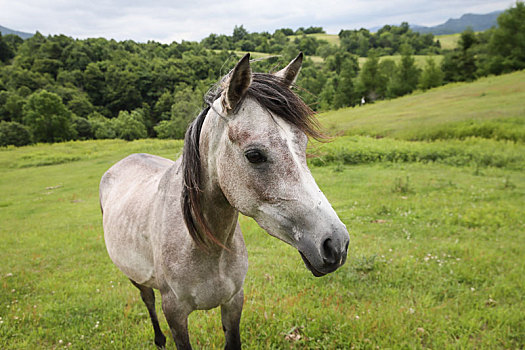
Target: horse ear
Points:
(237, 83)
(291, 71)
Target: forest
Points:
(57, 88)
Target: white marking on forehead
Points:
(287, 133)
(310, 188)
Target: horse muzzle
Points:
(328, 257)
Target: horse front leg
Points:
(177, 317)
(231, 318)
(148, 297)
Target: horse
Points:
(173, 225)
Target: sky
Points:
(175, 20)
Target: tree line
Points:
(57, 88)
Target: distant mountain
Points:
(478, 23)
(23, 35)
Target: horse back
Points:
(132, 171)
(127, 195)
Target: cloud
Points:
(168, 20)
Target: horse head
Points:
(258, 156)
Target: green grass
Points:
(420, 60)
(451, 107)
(331, 38)
(253, 54)
(436, 258)
(435, 261)
(448, 41)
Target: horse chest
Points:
(212, 293)
(209, 285)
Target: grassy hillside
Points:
(448, 41)
(420, 60)
(436, 258)
(331, 38)
(422, 113)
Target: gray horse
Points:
(174, 226)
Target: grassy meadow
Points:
(491, 104)
(436, 258)
(448, 41)
(330, 38)
(419, 60)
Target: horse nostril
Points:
(329, 253)
(346, 246)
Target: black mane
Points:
(271, 93)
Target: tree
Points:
(431, 76)
(101, 127)
(162, 109)
(6, 53)
(460, 65)
(508, 41)
(14, 107)
(13, 133)
(80, 105)
(130, 126)
(326, 98)
(345, 94)
(47, 117)
(371, 81)
(82, 128)
(185, 108)
(406, 76)
(239, 33)
(94, 83)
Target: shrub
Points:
(83, 128)
(470, 152)
(130, 126)
(48, 118)
(101, 127)
(13, 133)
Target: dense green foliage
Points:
(495, 51)
(387, 41)
(61, 88)
(48, 118)
(13, 133)
(431, 76)
(242, 40)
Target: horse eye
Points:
(255, 156)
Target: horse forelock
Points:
(274, 95)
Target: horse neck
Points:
(218, 212)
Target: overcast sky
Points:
(169, 20)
